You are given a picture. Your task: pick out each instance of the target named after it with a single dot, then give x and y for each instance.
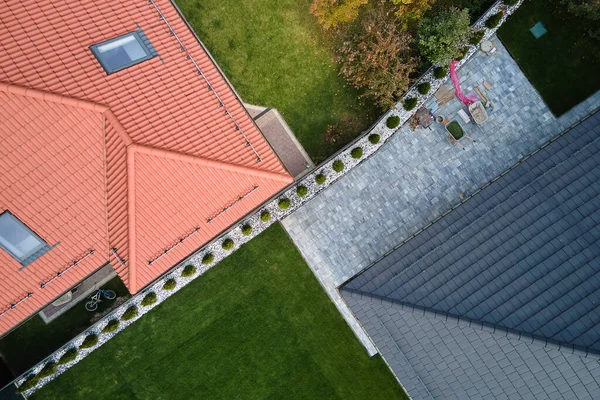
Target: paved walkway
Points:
(419, 175)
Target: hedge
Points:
(30, 383)
(424, 88)
(49, 369)
(188, 271)
(112, 325)
(410, 103)
(265, 216)
(130, 313)
(393, 122)
(476, 37)
(90, 341)
(338, 166)
(150, 298)
(70, 355)
(320, 179)
(463, 53)
(301, 191)
(227, 244)
(494, 20)
(208, 258)
(284, 204)
(511, 3)
(374, 138)
(170, 284)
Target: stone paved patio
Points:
(419, 175)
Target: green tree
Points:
(411, 10)
(442, 37)
(375, 55)
(331, 13)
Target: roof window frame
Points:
(140, 38)
(32, 255)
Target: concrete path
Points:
(417, 176)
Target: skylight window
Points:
(123, 52)
(19, 241)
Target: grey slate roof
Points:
(500, 298)
(521, 255)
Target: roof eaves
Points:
(131, 262)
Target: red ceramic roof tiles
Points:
(132, 160)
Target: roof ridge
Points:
(174, 155)
(465, 321)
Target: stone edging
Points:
(254, 220)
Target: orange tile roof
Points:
(134, 160)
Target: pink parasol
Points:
(467, 100)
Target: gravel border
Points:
(254, 219)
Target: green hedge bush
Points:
(463, 53)
(338, 166)
(284, 204)
(393, 122)
(170, 284)
(320, 179)
(188, 271)
(374, 138)
(149, 299)
(30, 383)
(357, 152)
(208, 258)
(424, 88)
(227, 244)
(476, 37)
(410, 103)
(511, 2)
(113, 324)
(439, 72)
(265, 216)
(246, 229)
(49, 369)
(494, 20)
(130, 313)
(69, 356)
(89, 341)
(301, 191)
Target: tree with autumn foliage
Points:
(331, 13)
(374, 54)
(411, 10)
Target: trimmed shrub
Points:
(410, 103)
(463, 53)
(130, 313)
(284, 204)
(188, 271)
(227, 244)
(320, 179)
(393, 122)
(439, 72)
(511, 3)
(301, 191)
(246, 229)
(150, 298)
(374, 138)
(494, 20)
(476, 37)
(338, 166)
(113, 324)
(89, 341)
(70, 355)
(208, 258)
(265, 216)
(424, 88)
(357, 152)
(30, 383)
(170, 284)
(49, 369)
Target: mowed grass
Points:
(256, 326)
(275, 55)
(564, 64)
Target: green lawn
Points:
(275, 55)
(562, 65)
(256, 326)
(34, 340)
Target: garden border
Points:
(255, 220)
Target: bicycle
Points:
(92, 304)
